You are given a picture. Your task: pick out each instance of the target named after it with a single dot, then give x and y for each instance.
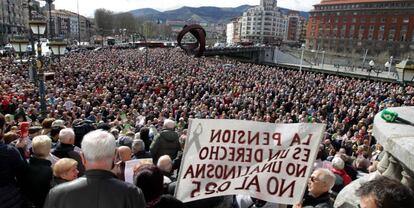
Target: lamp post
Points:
(371, 66)
(301, 58)
(387, 65)
(323, 58)
(19, 45)
(58, 47)
(390, 65)
(49, 2)
(38, 28)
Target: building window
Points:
(370, 36)
(380, 35)
(362, 19)
(403, 38)
(372, 20)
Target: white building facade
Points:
(264, 24)
(230, 34)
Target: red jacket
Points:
(347, 179)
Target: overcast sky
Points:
(87, 7)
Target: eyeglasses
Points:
(314, 179)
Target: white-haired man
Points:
(66, 148)
(319, 184)
(99, 187)
(166, 143)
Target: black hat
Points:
(34, 129)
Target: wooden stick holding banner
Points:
(271, 162)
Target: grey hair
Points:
(169, 124)
(138, 145)
(66, 134)
(327, 176)
(98, 145)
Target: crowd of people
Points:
(143, 112)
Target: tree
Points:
(126, 21)
(383, 58)
(104, 20)
(126, 24)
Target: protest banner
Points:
(131, 164)
(268, 161)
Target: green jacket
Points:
(165, 143)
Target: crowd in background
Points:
(147, 110)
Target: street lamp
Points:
(371, 66)
(323, 58)
(388, 66)
(301, 58)
(58, 47)
(19, 45)
(38, 28)
(50, 2)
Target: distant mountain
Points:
(145, 12)
(200, 14)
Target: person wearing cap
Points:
(34, 131)
(58, 123)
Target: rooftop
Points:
(330, 2)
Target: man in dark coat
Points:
(138, 150)
(66, 148)
(99, 187)
(12, 167)
(166, 143)
(38, 177)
